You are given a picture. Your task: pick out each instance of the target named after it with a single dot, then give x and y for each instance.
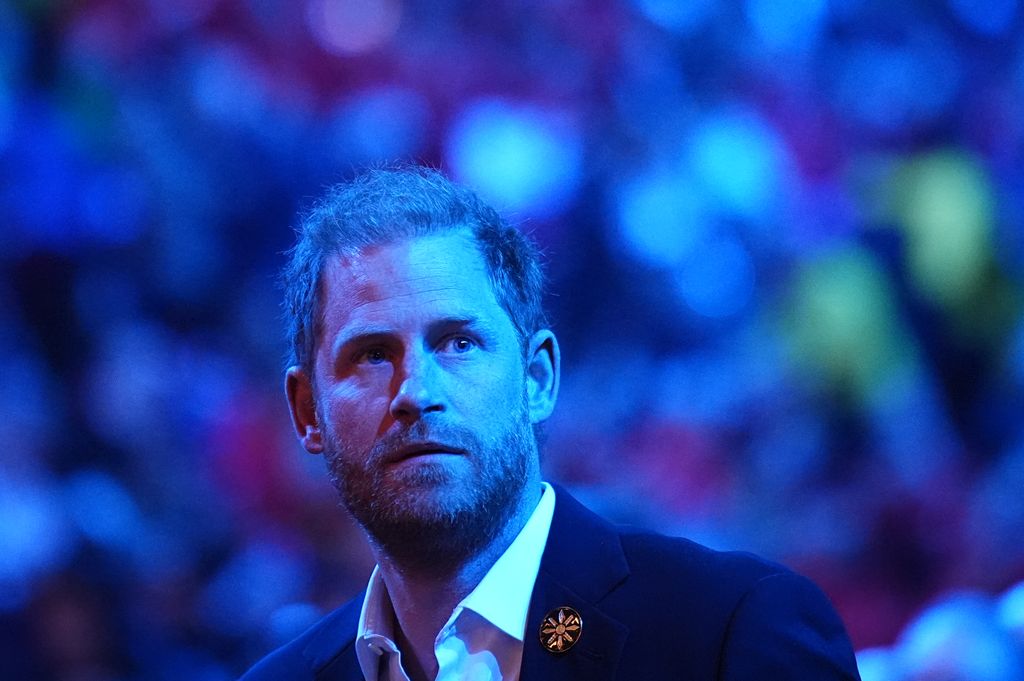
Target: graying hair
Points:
(387, 204)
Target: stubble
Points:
(432, 517)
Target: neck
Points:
(423, 600)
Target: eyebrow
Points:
(471, 321)
(369, 332)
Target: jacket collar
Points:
(331, 652)
(582, 563)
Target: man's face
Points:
(421, 396)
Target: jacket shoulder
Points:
(316, 648)
(761, 619)
(654, 556)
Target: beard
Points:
(433, 516)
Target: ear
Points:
(299, 389)
(543, 364)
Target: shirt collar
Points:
(375, 634)
(502, 597)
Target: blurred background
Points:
(787, 266)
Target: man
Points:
(422, 367)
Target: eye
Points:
(460, 344)
(372, 356)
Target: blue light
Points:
(682, 17)
(40, 197)
(520, 158)
(114, 205)
(660, 217)
(877, 664)
(909, 424)
(263, 577)
(226, 85)
(34, 540)
(290, 620)
(795, 24)
(959, 638)
(382, 124)
(880, 84)
(1011, 609)
(1016, 354)
(988, 17)
(103, 509)
(789, 450)
(700, 388)
(741, 164)
(718, 279)
(13, 56)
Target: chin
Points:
(435, 533)
(429, 517)
(431, 497)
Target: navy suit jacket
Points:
(652, 607)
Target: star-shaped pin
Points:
(561, 629)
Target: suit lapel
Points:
(331, 652)
(344, 667)
(582, 562)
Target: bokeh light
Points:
(944, 204)
(525, 158)
(103, 510)
(842, 322)
(660, 217)
(717, 280)
(34, 539)
(682, 17)
(353, 26)
(959, 639)
(990, 18)
(879, 82)
(740, 164)
(381, 123)
(789, 26)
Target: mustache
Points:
(396, 445)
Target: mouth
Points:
(418, 450)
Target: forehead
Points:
(425, 274)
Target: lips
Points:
(414, 449)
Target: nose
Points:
(419, 390)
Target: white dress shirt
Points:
(483, 639)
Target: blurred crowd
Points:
(786, 257)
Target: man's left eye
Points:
(460, 344)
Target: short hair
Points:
(388, 204)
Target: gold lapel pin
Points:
(561, 629)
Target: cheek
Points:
(357, 411)
(501, 386)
